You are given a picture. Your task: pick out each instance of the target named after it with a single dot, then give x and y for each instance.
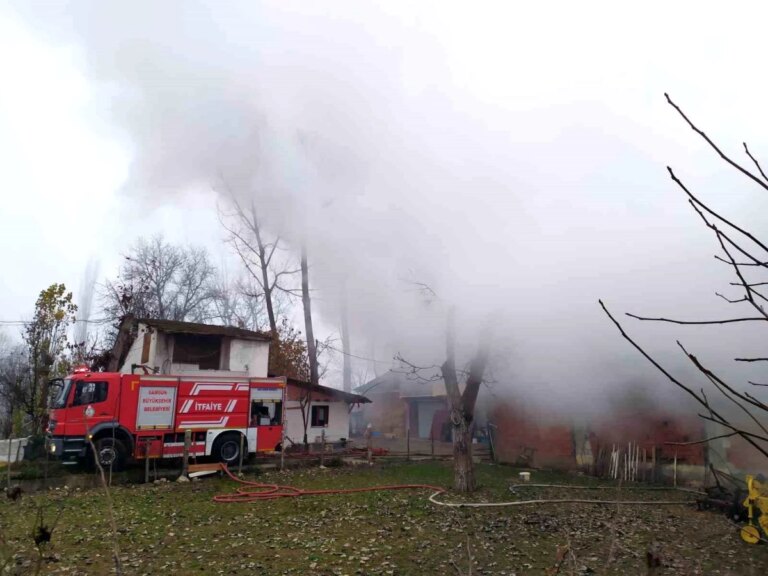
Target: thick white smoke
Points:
(375, 134)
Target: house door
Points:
(425, 413)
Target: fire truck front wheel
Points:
(111, 452)
(226, 448)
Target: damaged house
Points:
(173, 347)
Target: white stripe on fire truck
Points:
(200, 386)
(220, 422)
(241, 386)
(231, 406)
(186, 406)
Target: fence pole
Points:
(185, 461)
(369, 442)
(240, 464)
(10, 443)
(490, 443)
(408, 444)
(146, 468)
(674, 471)
(322, 447)
(432, 440)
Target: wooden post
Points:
(490, 443)
(10, 443)
(185, 457)
(322, 447)
(240, 463)
(369, 443)
(146, 468)
(653, 464)
(432, 440)
(45, 464)
(674, 471)
(408, 443)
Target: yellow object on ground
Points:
(756, 504)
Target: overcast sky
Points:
(511, 155)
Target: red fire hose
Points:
(256, 491)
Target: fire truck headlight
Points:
(53, 448)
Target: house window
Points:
(319, 416)
(201, 350)
(89, 393)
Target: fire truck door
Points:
(92, 402)
(266, 416)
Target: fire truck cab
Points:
(126, 416)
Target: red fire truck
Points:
(146, 416)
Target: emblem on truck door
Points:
(89, 411)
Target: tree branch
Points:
(757, 164)
(695, 322)
(742, 299)
(758, 264)
(700, 399)
(728, 435)
(712, 212)
(740, 168)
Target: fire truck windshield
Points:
(60, 391)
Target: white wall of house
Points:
(246, 357)
(249, 356)
(338, 422)
(134, 354)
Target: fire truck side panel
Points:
(205, 405)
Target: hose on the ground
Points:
(257, 491)
(514, 487)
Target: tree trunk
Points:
(305, 300)
(42, 411)
(306, 405)
(264, 265)
(463, 406)
(345, 346)
(463, 465)
(268, 300)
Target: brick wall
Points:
(522, 431)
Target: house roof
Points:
(333, 392)
(176, 327)
(405, 386)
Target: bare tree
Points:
(462, 407)
(462, 402)
(161, 280)
(747, 256)
(234, 304)
(262, 258)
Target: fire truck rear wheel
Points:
(111, 452)
(226, 448)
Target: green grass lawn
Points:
(172, 528)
